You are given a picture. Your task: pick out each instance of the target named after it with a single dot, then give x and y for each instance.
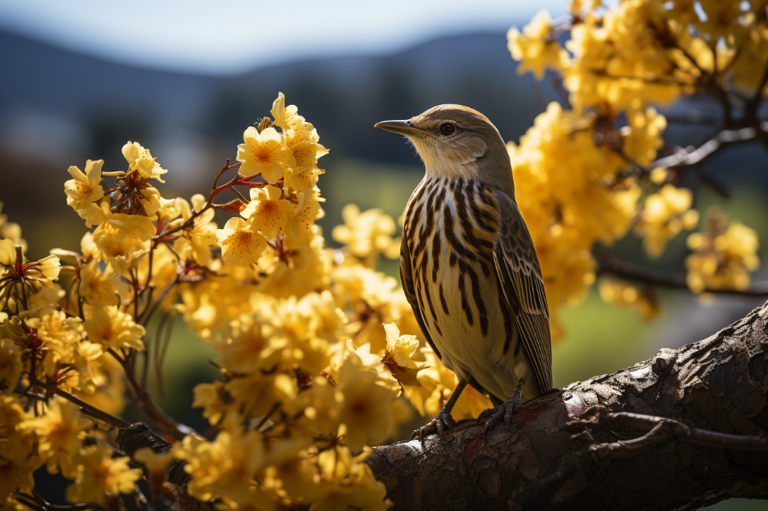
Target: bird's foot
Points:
(505, 409)
(440, 424)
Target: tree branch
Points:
(612, 265)
(175, 428)
(686, 158)
(138, 435)
(685, 428)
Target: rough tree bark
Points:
(578, 448)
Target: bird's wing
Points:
(520, 276)
(406, 278)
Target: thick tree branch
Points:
(684, 429)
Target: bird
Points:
(468, 265)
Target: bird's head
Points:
(457, 141)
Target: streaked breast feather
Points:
(451, 226)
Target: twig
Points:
(615, 266)
(36, 501)
(160, 298)
(659, 431)
(177, 429)
(684, 158)
(89, 410)
(692, 117)
(267, 416)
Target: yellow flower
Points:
(302, 178)
(113, 329)
(305, 212)
(399, 355)
(140, 160)
(224, 466)
(20, 280)
(721, 19)
(302, 139)
(151, 201)
(367, 234)
(10, 365)
(257, 392)
(322, 406)
(239, 244)
(101, 287)
(155, 463)
(195, 241)
(296, 129)
(623, 294)
(348, 482)
(213, 399)
(88, 247)
(99, 474)
(570, 191)
(105, 379)
(753, 50)
(85, 188)
(17, 476)
(642, 138)
(11, 230)
(44, 271)
(61, 336)
(121, 247)
(723, 256)
(622, 56)
(278, 110)
(666, 213)
(133, 226)
(90, 372)
(297, 266)
(306, 153)
(536, 48)
(17, 447)
(60, 433)
(267, 212)
(263, 153)
(366, 405)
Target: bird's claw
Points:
(505, 410)
(440, 424)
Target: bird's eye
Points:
(447, 129)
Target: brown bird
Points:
(468, 265)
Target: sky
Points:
(226, 36)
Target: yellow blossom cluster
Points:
(319, 353)
(569, 191)
(624, 294)
(11, 230)
(723, 255)
(581, 170)
(665, 214)
(367, 234)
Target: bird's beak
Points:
(401, 127)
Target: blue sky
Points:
(227, 36)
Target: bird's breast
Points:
(451, 227)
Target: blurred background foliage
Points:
(59, 108)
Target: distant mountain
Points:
(59, 108)
(343, 96)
